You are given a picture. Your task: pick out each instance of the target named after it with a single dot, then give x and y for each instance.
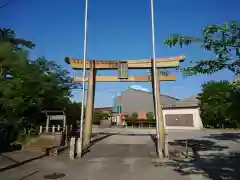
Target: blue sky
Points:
(118, 29)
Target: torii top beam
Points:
(168, 62)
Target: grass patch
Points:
(23, 139)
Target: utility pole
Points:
(80, 141)
(158, 107)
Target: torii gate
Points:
(122, 66)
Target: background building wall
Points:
(197, 122)
(133, 100)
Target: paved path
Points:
(17, 157)
(217, 153)
(120, 157)
(129, 155)
(212, 140)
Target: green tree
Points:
(12, 65)
(219, 102)
(222, 40)
(214, 103)
(14, 99)
(37, 85)
(73, 111)
(149, 116)
(134, 116)
(8, 35)
(99, 116)
(28, 87)
(126, 117)
(56, 83)
(233, 112)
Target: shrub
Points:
(219, 102)
(98, 116)
(134, 116)
(126, 117)
(149, 116)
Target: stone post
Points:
(72, 148)
(47, 124)
(40, 130)
(166, 146)
(64, 122)
(53, 130)
(58, 127)
(66, 134)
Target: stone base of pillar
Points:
(72, 149)
(86, 142)
(79, 148)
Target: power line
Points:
(6, 4)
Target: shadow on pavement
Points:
(154, 139)
(225, 136)
(17, 164)
(10, 159)
(216, 166)
(198, 145)
(127, 134)
(10, 147)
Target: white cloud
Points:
(138, 87)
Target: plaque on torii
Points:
(122, 66)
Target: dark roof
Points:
(172, 102)
(135, 100)
(103, 109)
(162, 95)
(191, 101)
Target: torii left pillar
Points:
(87, 129)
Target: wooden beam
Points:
(168, 62)
(130, 79)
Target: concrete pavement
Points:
(129, 155)
(119, 157)
(215, 140)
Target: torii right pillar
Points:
(87, 129)
(158, 113)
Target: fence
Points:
(141, 123)
(54, 129)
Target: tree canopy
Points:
(8, 35)
(27, 87)
(219, 104)
(222, 40)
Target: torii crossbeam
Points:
(132, 64)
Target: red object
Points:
(142, 115)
